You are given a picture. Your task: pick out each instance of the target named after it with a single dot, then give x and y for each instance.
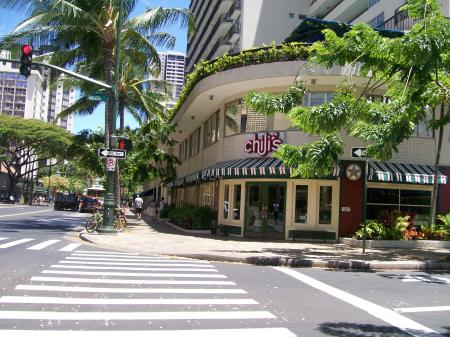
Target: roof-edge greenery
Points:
(268, 54)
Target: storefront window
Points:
(384, 201)
(237, 202)
(211, 130)
(325, 204)
(226, 201)
(207, 195)
(301, 203)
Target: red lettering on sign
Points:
(268, 142)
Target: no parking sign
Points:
(110, 164)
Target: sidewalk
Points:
(148, 237)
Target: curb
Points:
(310, 263)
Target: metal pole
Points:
(110, 204)
(364, 208)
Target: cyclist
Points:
(138, 207)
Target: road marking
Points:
(424, 309)
(124, 259)
(129, 316)
(260, 332)
(132, 268)
(138, 264)
(43, 244)
(103, 252)
(127, 281)
(130, 290)
(3, 239)
(126, 301)
(70, 247)
(5, 215)
(387, 315)
(93, 273)
(14, 243)
(426, 279)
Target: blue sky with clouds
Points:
(9, 19)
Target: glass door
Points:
(265, 210)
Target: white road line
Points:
(14, 243)
(130, 316)
(260, 332)
(130, 290)
(117, 255)
(426, 279)
(127, 281)
(126, 301)
(387, 315)
(102, 252)
(121, 259)
(113, 273)
(70, 247)
(5, 215)
(138, 264)
(3, 239)
(43, 244)
(132, 268)
(424, 309)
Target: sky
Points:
(10, 19)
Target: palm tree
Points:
(84, 31)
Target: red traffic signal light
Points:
(25, 60)
(122, 144)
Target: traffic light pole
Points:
(110, 204)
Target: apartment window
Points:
(239, 119)
(373, 2)
(194, 143)
(422, 130)
(183, 150)
(317, 98)
(377, 22)
(211, 130)
(291, 15)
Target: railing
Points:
(399, 21)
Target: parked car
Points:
(66, 200)
(89, 204)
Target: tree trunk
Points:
(434, 194)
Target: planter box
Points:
(411, 244)
(190, 231)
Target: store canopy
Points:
(403, 173)
(250, 168)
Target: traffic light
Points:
(121, 143)
(25, 60)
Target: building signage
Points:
(263, 143)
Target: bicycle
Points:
(96, 221)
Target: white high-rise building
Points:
(234, 25)
(172, 71)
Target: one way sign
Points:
(358, 152)
(116, 153)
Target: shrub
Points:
(182, 216)
(374, 231)
(202, 218)
(164, 213)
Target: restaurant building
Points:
(226, 149)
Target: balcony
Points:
(235, 32)
(347, 10)
(222, 46)
(320, 8)
(400, 21)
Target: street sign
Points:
(110, 164)
(116, 153)
(358, 152)
(98, 97)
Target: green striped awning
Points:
(250, 167)
(403, 173)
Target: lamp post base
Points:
(108, 215)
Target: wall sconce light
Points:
(192, 117)
(211, 97)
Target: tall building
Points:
(172, 71)
(233, 25)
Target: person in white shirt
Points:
(138, 207)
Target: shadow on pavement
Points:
(363, 330)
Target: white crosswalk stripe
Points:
(38, 246)
(143, 292)
(43, 244)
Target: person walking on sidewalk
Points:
(161, 206)
(138, 207)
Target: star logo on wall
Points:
(353, 172)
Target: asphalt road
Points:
(51, 286)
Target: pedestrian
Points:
(11, 199)
(161, 206)
(138, 202)
(276, 211)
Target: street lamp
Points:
(109, 203)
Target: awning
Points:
(403, 173)
(193, 178)
(250, 167)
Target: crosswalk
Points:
(25, 243)
(123, 294)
